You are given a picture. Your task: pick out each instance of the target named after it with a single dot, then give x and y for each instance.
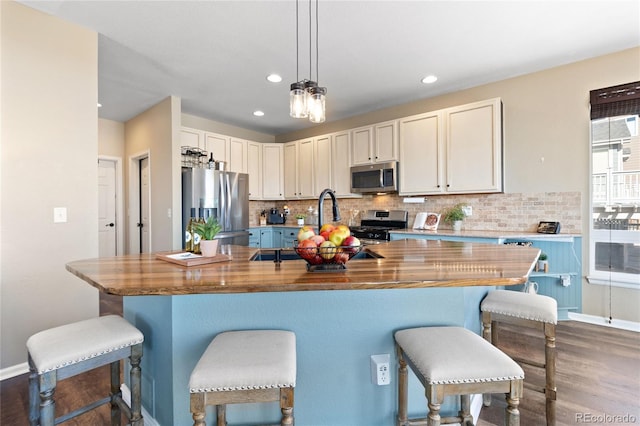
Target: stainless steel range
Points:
(376, 224)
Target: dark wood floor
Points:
(598, 373)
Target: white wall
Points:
(157, 131)
(111, 138)
(49, 149)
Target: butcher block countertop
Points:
(405, 264)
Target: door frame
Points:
(134, 201)
(120, 223)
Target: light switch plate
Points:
(59, 214)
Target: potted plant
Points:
(454, 215)
(207, 231)
(300, 217)
(543, 263)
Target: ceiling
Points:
(215, 55)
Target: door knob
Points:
(111, 225)
(139, 225)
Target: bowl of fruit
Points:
(329, 250)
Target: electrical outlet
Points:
(380, 373)
(467, 210)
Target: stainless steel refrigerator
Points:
(225, 195)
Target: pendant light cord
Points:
(297, 46)
(317, 43)
(310, 75)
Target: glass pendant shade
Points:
(316, 105)
(297, 101)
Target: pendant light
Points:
(306, 98)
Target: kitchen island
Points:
(416, 282)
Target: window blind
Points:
(623, 99)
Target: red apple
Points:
(341, 256)
(351, 244)
(339, 234)
(327, 250)
(325, 235)
(318, 239)
(307, 249)
(317, 260)
(327, 227)
(305, 233)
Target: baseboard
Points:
(126, 396)
(13, 371)
(615, 323)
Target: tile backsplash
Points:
(518, 212)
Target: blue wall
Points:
(336, 333)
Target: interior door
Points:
(107, 225)
(144, 222)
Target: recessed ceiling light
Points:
(258, 113)
(274, 78)
(429, 79)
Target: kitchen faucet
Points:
(336, 212)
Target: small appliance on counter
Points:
(274, 217)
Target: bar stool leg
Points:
(221, 415)
(135, 377)
(115, 392)
(512, 414)
(47, 403)
(486, 333)
(286, 406)
(403, 387)
(197, 408)
(435, 397)
(466, 419)
(34, 395)
(550, 372)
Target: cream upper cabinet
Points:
(254, 168)
(237, 157)
(299, 169)
(341, 162)
(192, 137)
(218, 145)
(474, 147)
(323, 164)
(375, 144)
(421, 154)
(455, 150)
(290, 152)
(272, 171)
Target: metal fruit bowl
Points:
(327, 258)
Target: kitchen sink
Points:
(290, 254)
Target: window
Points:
(615, 186)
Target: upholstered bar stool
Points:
(245, 366)
(528, 310)
(454, 361)
(68, 350)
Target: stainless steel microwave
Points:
(374, 178)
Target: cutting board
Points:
(190, 259)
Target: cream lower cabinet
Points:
(454, 151)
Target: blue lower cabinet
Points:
(562, 279)
(289, 237)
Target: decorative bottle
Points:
(197, 237)
(188, 236)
